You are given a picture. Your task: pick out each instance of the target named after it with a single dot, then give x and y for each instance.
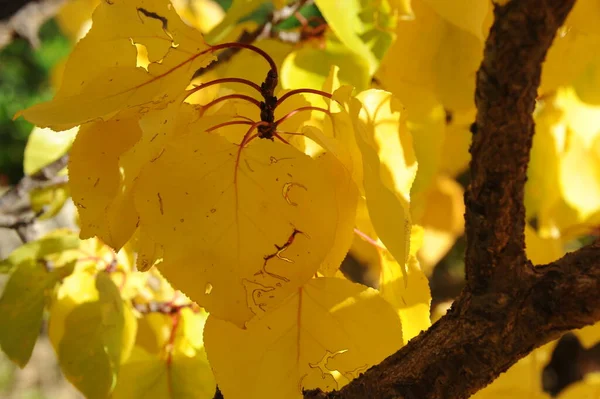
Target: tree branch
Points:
(507, 83)
(15, 211)
(508, 307)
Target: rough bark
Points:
(509, 307)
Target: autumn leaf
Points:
(96, 86)
(247, 226)
(323, 336)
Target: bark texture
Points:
(509, 307)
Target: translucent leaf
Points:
(50, 200)
(237, 10)
(465, 14)
(589, 335)
(39, 249)
(437, 57)
(241, 229)
(403, 8)
(203, 15)
(22, 304)
(589, 388)
(169, 370)
(385, 188)
(569, 44)
(323, 336)
(357, 24)
(346, 196)
(99, 86)
(309, 66)
(455, 152)
(522, 380)
(45, 146)
(95, 179)
(73, 16)
(92, 330)
(540, 250)
(410, 296)
(443, 220)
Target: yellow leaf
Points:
(443, 220)
(309, 66)
(589, 336)
(323, 336)
(100, 86)
(92, 331)
(468, 15)
(237, 10)
(95, 179)
(177, 369)
(455, 152)
(540, 250)
(589, 388)
(25, 296)
(241, 229)
(45, 146)
(403, 8)
(385, 188)
(203, 15)
(410, 296)
(569, 44)
(346, 197)
(522, 380)
(436, 56)
(73, 16)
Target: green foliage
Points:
(24, 81)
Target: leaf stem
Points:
(230, 97)
(250, 47)
(224, 80)
(229, 123)
(298, 91)
(298, 110)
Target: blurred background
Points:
(32, 55)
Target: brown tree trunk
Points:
(509, 307)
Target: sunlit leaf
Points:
(309, 66)
(95, 179)
(241, 229)
(22, 304)
(100, 86)
(323, 336)
(92, 331)
(410, 296)
(38, 249)
(168, 370)
(360, 28)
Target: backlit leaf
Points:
(358, 27)
(241, 229)
(95, 179)
(386, 189)
(92, 330)
(323, 336)
(101, 77)
(38, 249)
(22, 304)
(169, 370)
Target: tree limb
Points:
(509, 307)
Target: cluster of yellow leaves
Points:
(252, 230)
(98, 309)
